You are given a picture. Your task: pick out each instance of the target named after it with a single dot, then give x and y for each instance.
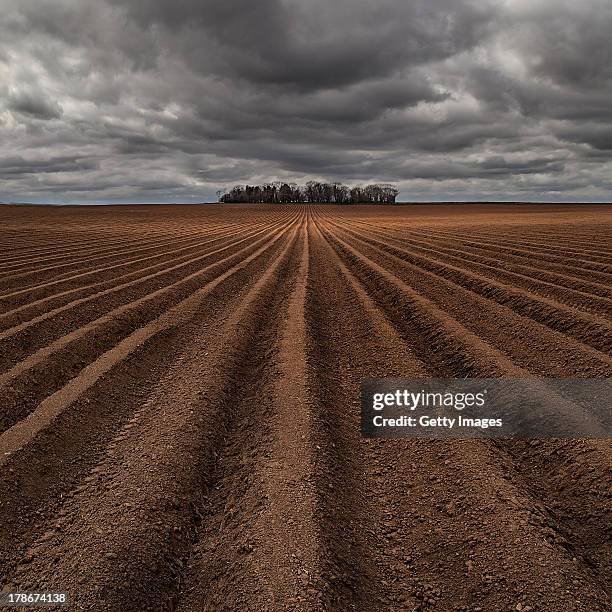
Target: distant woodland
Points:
(311, 192)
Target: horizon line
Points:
(402, 203)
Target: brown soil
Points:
(179, 406)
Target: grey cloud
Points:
(15, 166)
(596, 135)
(313, 44)
(570, 43)
(34, 104)
(139, 99)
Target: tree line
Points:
(313, 192)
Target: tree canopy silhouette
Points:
(313, 192)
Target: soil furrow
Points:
(506, 265)
(170, 491)
(457, 352)
(533, 250)
(501, 327)
(16, 278)
(76, 422)
(43, 304)
(599, 272)
(93, 253)
(70, 278)
(29, 381)
(268, 455)
(442, 518)
(588, 328)
(180, 406)
(25, 338)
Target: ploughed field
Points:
(179, 406)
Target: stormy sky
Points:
(170, 100)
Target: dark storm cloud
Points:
(311, 44)
(34, 105)
(150, 99)
(15, 166)
(598, 136)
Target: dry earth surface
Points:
(179, 406)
